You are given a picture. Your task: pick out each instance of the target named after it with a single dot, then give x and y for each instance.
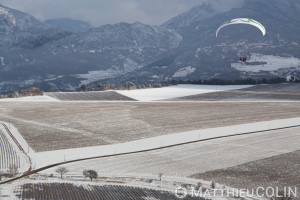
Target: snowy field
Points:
(280, 171)
(11, 155)
(52, 157)
(273, 63)
(199, 157)
(43, 98)
(286, 92)
(80, 124)
(155, 94)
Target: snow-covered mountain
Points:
(7, 19)
(212, 57)
(201, 12)
(185, 47)
(51, 58)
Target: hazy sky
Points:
(99, 12)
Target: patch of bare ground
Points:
(89, 96)
(63, 125)
(277, 171)
(276, 92)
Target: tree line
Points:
(124, 86)
(217, 81)
(33, 91)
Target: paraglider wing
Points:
(243, 21)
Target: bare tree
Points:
(160, 175)
(83, 87)
(12, 171)
(62, 171)
(213, 185)
(199, 185)
(92, 174)
(100, 87)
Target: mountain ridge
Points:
(184, 47)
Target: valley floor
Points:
(244, 161)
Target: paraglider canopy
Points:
(243, 21)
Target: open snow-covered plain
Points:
(176, 91)
(44, 98)
(146, 95)
(52, 130)
(51, 157)
(187, 160)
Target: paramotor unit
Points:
(243, 59)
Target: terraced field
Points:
(56, 191)
(8, 155)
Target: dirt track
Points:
(61, 125)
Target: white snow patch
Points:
(274, 63)
(128, 66)
(92, 76)
(19, 83)
(53, 77)
(184, 72)
(197, 52)
(7, 192)
(43, 98)
(2, 61)
(171, 92)
(9, 15)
